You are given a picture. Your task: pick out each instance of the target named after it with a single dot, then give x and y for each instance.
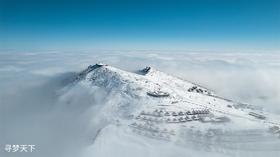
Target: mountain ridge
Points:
(162, 107)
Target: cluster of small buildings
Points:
(150, 119)
(152, 128)
(152, 131)
(161, 113)
(197, 89)
(172, 116)
(183, 119)
(147, 121)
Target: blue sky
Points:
(131, 24)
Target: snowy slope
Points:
(150, 111)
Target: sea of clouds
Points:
(36, 106)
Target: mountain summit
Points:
(152, 106)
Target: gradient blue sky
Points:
(131, 24)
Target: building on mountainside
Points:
(158, 94)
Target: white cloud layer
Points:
(34, 110)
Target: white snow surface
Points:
(133, 123)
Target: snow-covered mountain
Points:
(151, 113)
